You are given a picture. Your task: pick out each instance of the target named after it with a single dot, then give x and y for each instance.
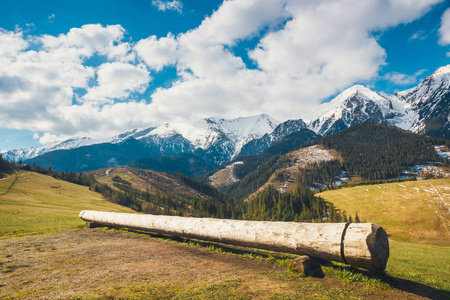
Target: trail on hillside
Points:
(12, 184)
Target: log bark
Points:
(363, 245)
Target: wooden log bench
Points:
(363, 245)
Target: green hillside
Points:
(413, 211)
(31, 202)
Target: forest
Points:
(374, 151)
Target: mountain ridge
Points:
(422, 109)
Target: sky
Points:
(99, 68)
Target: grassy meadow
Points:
(31, 202)
(416, 216)
(411, 211)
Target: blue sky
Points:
(98, 68)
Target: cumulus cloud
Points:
(310, 51)
(117, 81)
(305, 51)
(12, 44)
(48, 138)
(37, 86)
(158, 53)
(444, 30)
(168, 5)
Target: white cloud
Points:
(12, 43)
(306, 51)
(86, 40)
(51, 18)
(311, 50)
(37, 86)
(48, 138)
(117, 81)
(158, 53)
(403, 79)
(444, 30)
(168, 5)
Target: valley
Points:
(50, 253)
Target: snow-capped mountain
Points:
(214, 140)
(355, 105)
(282, 130)
(429, 104)
(424, 109)
(25, 154)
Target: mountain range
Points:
(211, 142)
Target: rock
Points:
(307, 265)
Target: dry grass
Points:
(414, 211)
(99, 264)
(224, 177)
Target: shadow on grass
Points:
(345, 272)
(224, 248)
(405, 285)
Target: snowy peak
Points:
(423, 109)
(435, 85)
(242, 127)
(226, 137)
(204, 133)
(441, 72)
(430, 104)
(354, 105)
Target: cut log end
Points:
(367, 247)
(378, 244)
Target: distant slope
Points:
(94, 157)
(145, 180)
(169, 194)
(375, 151)
(256, 169)
(187, 164)
(414, 211)
(37, 203)
(367, 151)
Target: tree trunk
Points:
(363, 245)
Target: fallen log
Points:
(363, 245)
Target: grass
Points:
(427, 264)
(413, 211)
(417, 221)
(39, 203)
(419, 263)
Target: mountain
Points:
(353, 106)
(429, 104)
(282, 130)
(212, 140)
(424, 109)
(185, 163)
(367, 151)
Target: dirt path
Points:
(12, 184)
(96, 263)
